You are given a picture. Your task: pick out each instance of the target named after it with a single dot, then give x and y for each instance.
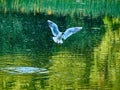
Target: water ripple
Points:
(24, 70)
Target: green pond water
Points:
(88, 60)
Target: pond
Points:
(87, 60)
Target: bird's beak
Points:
(49, 22)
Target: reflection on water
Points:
(30, 60)
(18, 72)
(22, 70)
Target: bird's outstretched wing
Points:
(70, 31)
(53, 27)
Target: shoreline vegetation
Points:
(61, 7)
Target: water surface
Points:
(88, 60)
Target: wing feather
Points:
(70, 31)
(53, 27)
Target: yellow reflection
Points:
(18, 82)
(17, 60)
(106, 54)
(67, 71)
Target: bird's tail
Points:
(56, 40)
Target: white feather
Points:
(56, 40)
(70, 31)
(54, 28)
(58, 36)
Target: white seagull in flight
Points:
(58, 36)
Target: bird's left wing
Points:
(53, 27)
(70, 31)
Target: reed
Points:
(80, 7)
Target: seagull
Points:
(59, 36)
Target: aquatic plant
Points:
(80, 7)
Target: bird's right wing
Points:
(53, 27)
(70, 31)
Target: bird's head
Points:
(50, 22)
